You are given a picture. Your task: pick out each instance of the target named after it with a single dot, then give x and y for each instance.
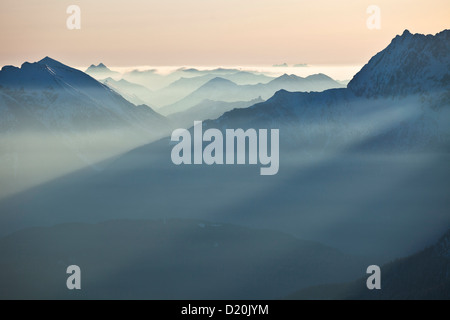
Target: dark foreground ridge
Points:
(173, 259)
(425, 275)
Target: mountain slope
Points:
(170, 259)
(134, 93)
(208, 109)
(425, 275)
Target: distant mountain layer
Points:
(134, 93)
(425, 275)
(208, 109)
(177, 86)
(221, 89)
(156, 81)
(101, 71)
(186, 85)
(170, 259)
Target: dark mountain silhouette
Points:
(424, 275)
(170, 259)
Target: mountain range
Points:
(221, 89)
(184, 86)
(350, 166)
(156, 81)
(363, 169)
(399, 101)
(66, 109)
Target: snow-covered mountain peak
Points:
(411, 63)
(44, 75)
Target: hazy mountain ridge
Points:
(208, 109)
(156, 81)
(181, 89)
(186, 85)
(134, 93)
(222, 89)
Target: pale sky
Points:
(209, 32)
